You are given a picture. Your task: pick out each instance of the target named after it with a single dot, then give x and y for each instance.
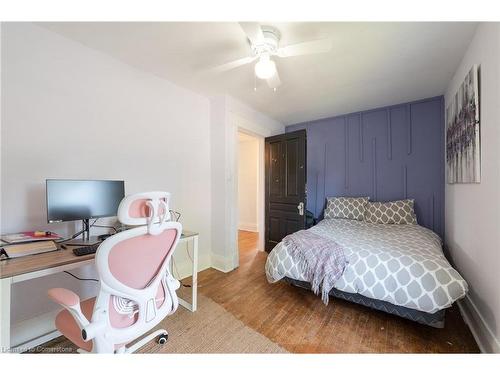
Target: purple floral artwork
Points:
(463, 149)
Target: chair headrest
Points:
(144, 208)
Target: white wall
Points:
(72, 112)
(227, 116)
(248, 179)
(472, 213)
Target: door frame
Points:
(260, 185)
(239, 123)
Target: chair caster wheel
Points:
(163, 339)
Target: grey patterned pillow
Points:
(395, 212)
(345, 208)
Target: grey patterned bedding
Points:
(400, 264)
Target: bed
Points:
(399, 269)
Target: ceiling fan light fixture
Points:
(265, 67)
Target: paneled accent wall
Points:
(386, 153)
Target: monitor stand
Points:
(86, 239)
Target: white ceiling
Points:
(370, 64)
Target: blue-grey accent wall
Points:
(386, 153)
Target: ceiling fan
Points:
(264, 42)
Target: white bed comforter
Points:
(400, 264)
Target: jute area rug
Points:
(211, 329)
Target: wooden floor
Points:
(298, 320)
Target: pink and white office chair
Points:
(136, 289)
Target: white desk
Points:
(31, 267)
(191, 240)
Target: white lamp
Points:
(265, 67)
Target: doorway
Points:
(249, 163)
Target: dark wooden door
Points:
(285, 186)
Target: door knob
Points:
(300, 207)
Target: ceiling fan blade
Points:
(306, 48)
(253, 32)
(232, 64)
(274, 81)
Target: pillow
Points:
(345, 208)
(395, 212)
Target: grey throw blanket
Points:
(322, 260)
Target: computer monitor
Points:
(69, 200)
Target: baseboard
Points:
(29, 333)
(184, 269)
(221, 263)
(248, 227)
(482, 333)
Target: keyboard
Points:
(86, 250)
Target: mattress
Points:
(400, 264)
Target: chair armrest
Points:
(71, 302)
(64, 297)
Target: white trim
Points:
(224, 188)
(221, 263)
(24, 347)
(241, 124)
(249, 227)
(29, 333)
(482, 333)
(261, 196)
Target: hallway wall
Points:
(248, 167)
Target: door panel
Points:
(285, 185)
(275, 169)
(292, 182)
(292, 225)
(274, 229)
